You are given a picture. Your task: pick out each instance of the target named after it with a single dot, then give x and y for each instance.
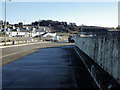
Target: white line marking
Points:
(23, 44)
(12, 54)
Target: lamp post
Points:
(1, 16)
(5, 18)
(5, 23)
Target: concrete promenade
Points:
(49, 68)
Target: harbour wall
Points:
(103, 51)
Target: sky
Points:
(88, 13)
(64, 0)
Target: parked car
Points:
(71, 39)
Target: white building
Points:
(50, 34)
(28, 32)
(15, 34)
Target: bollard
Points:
(26, 41)
(14, 42)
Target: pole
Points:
(24, 22)
(1, 16)
(5, 23)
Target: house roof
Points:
(23, 30)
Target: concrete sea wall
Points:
(104, 50)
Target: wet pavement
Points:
(58, 67)
(14, 52)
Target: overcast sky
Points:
(88, 13)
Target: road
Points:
(57, 67)
(14, 52)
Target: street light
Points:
(5, 18)
(1, 15)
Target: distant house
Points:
(17, 33)
(39, 31)
(49, 36)
(26, 31)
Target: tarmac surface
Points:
(11, 53)
(50, 68)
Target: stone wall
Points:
(104, 51)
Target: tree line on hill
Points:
(62, 27)
(57, 26)
(68, 28)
